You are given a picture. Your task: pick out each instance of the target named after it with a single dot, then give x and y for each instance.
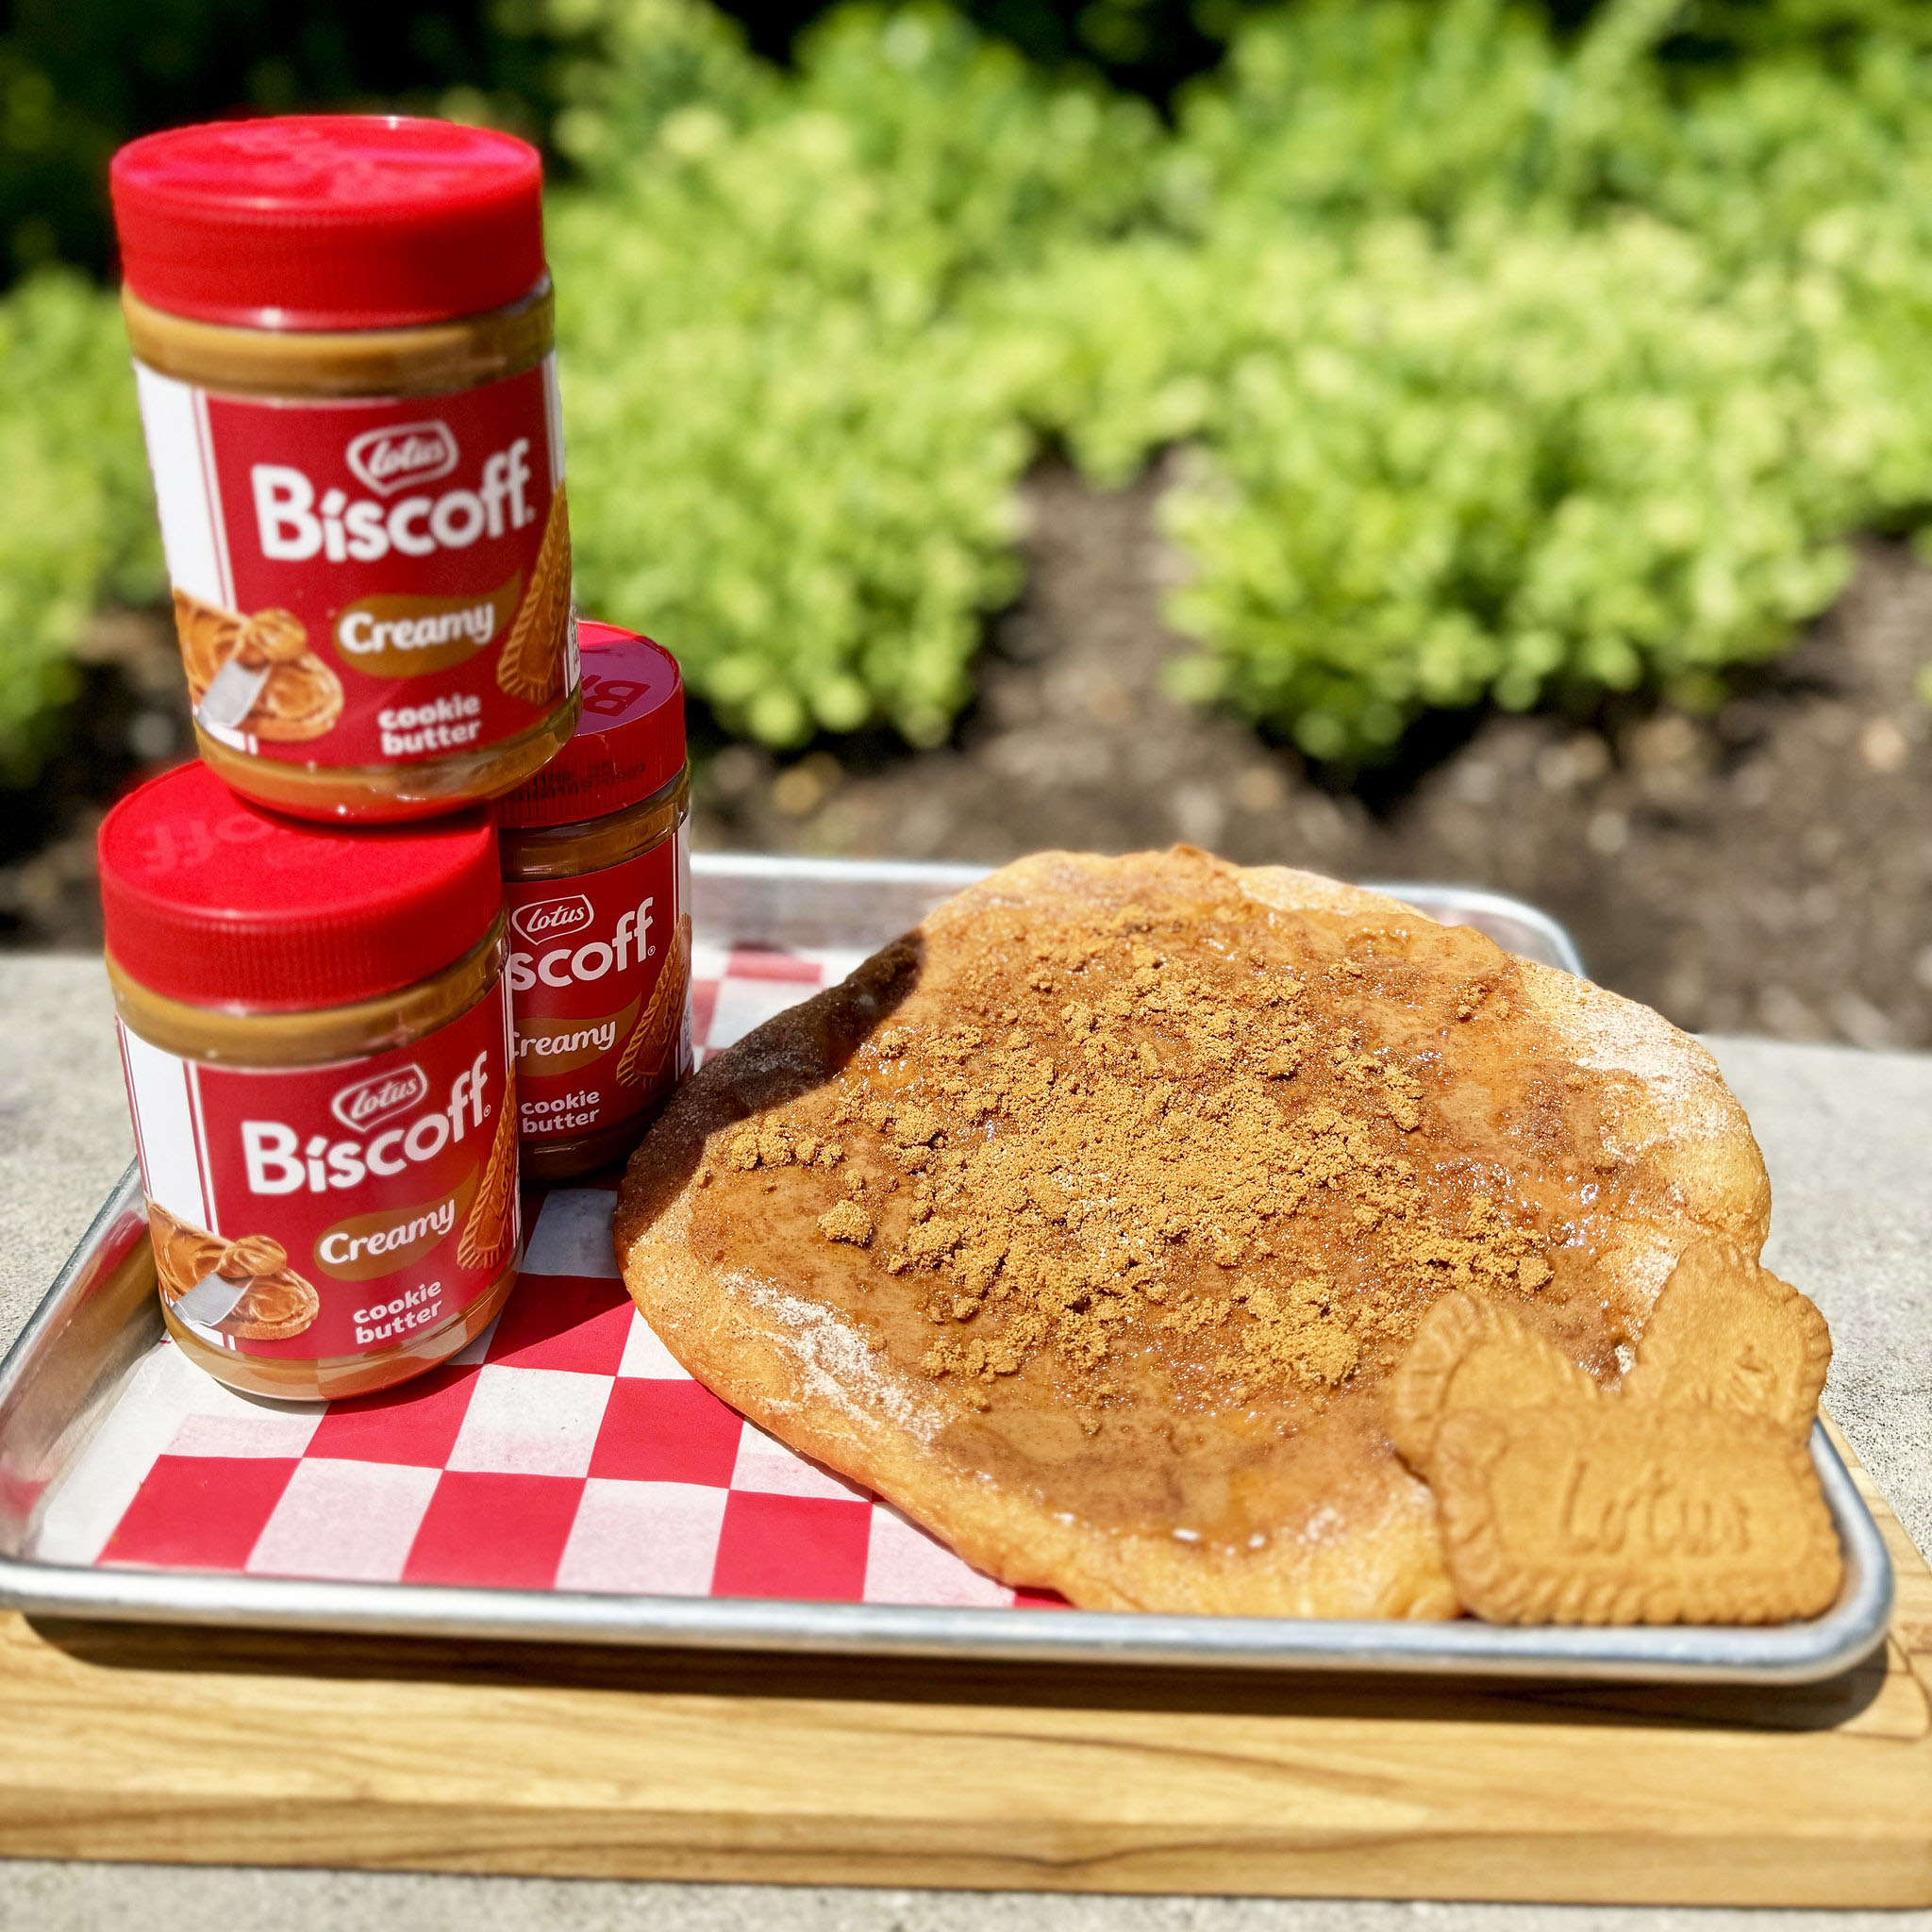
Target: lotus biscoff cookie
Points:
(1688, 1495)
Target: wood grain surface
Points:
(180, 1744)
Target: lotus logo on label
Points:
(551, 919)
(403, 454)
(368, 1102)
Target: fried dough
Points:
(1087, 1223)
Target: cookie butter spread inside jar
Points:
(596, 868)
(315, 1030)
(342, 331)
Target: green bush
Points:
(79, 525)
(793, 442)
(1532, 481)
(1506, 366)
(1510, 371)
(1509, 368)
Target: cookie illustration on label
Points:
(653, 1042)
(367, 581)
(270, 1302)
(492, 1225)
(531, 664)
(1686, 1496)
(292, 696)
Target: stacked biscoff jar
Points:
(596, 868)
(343, 332)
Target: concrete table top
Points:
(1847, 1136)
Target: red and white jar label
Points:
(370, 581)
(309, 1213)
(600, 979)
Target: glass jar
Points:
(315, 1029)
(342, 329)
(596, 868)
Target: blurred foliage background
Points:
(1513, 354)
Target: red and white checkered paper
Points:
(563, 1449)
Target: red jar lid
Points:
(630, 738)
(329, 221)
(215, 902)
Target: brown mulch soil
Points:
(1765, 870)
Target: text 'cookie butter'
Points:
(596, 868)
(342, 331)
(315, 1030)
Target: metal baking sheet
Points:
(100, 1319)
(749, 897)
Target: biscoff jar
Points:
(596, 869)
(315, 1030)
(343, 332)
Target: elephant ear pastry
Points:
(1088, 1222)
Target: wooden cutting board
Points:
(193, 1746)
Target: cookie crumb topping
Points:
(1191, 1135)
